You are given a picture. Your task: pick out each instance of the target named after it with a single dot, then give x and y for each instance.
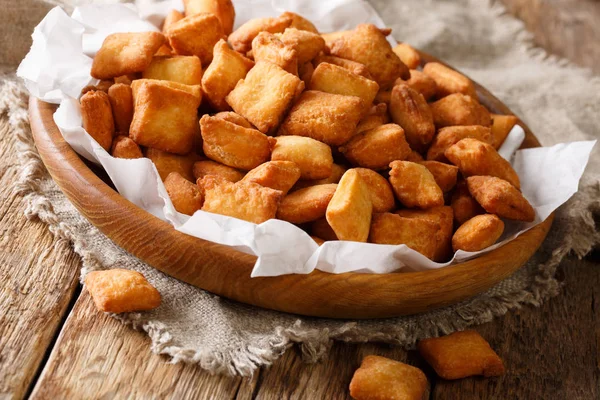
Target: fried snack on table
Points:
(278, 175)
(377, 116)
(380, 378)
(121, 290)
(97, 118)
(329, 118)
(299, 22)
(265, 95)
(408, 55)
(266, 47)
(305, 72)
(331, 37)
(473, 157)
(352, 66)
(224, 72)
(124, 147)
(322, 229)
(172, 17)
(350, 209)
(420, 234)
(422, 83)
(449, 81)
(234, 145)
(459, 109)
(185, 196)
(244, 200)
(337, 171)
(167, 162)
(367, 45)
(306, 205)
(478, 233)
(443, 216)
(451, 135)
(241, 39)
(499, 197)
(409, 109)
(312, 157)
(208, 167)
(330, 78)
(382, 196)
(222, 9)
(445, 175)
(414, 185)
(307, 44)
(165, 115)
(501, 127)
(125, 53)
(233, 118)
(102, 86)
(461, 354)
(182, 69)
(377, 148)
(121, 101)
(414, 157)
(196, 35)
(463, 204)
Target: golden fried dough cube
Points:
(305, 72)
(463, 204)
(196, 35)
(299, 22)
(473, 157)
(208, 167)
(444, 216)
(322, 229)
(125, 53)
(445, 175)
(459, 109)
(419, 234)
(367, 45)
(451, 135)
(182, 69)
(234, 145)
(164, 117)
(166, 163)
(501, 127)
(121, 101)
(408, 55)
(124, 147)
(414, 185)
(422, 83)
(305, 205)
(172, 17)
(478, 233)
(377, 116)
(461, 354)
(409, 109)
(266, 47)
(499, 197)
(233, 118)
(382, 196)
(224, 72)
(241, 39)
(337, 80)
(378, 147)
(414, 157)
(97, 118)
(278, 175)
(312, 157)
(380, 378)
(328, 118)
(121, 290)
(307, 44)
(185, 196)
(222, 9)
(102, 86)
(194, 90)
(164, 51)
(244, 200)
(352, 66)
(349, 211)
(449, 81)
(337, 171)
(265, 95)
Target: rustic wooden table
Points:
(54, 344)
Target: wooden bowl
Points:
(226, 272)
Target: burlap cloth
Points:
(558, 101)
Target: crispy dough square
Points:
(307, 44)
(185, 196)
(499, 197)
(278, 175)
(244, 200)
(97, 118)
(382, 196)
(479, 232)
(182, 69)
(443, 216)
(349, 211)
(196, 35)
(460, 355)
(380, 378)
(208, 167)
(352, 66)
(337, 171)
(125, 53)
(266, 47)
(464, 206)
(121, 102)
(414, 185)
(329, 118)
(121, 290)
(445, 175)
(124, 147)
(459, 109)
(450, 135)
(408, 55)
(322, 229)
(223, 9)
(449, 81)
(172, 17)
(166, 163)
(422, 83)
(305, 72)
(409, 109)
(165, 118)
(377, 116)
(233, 118)
(265, 95)
(306, 204)
(501, 127)
(337, 80)
(312, 157)
(241, 39)
(299, 22)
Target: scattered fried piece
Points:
(233, 118)
(223, 9)
(102, 86)
(443, 216)
(194, 90)
(478, 233)
(121, 290)
(312, 157)
(305, 72)
(416, 233)
(124, 147)
(337, 80)
(196, 35)
(449, 81)
(241, 39)
(299, 22)
(244, 200)
(352, 66)
(422, 83)
(499, 197)
(182, 69)
(337, 171)
(125, 53)
(208, 167)
(97, 117)
(501, 127)
(408, 55)
(380, 378)
(450, 135)
(322, 229)
(266, 47)
(459, 109)
(409, 109)
(279, 175)
(121, 101)
(185, 196)
(350, 209)
(414, 185)
(463, 204)
(167, 162)
(377, 116)
(306, 204)
(172, 17)
(445, 175)
(414, 157)
(382, 196)
(460, 355)
(307, 44)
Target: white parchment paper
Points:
(58, 67)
